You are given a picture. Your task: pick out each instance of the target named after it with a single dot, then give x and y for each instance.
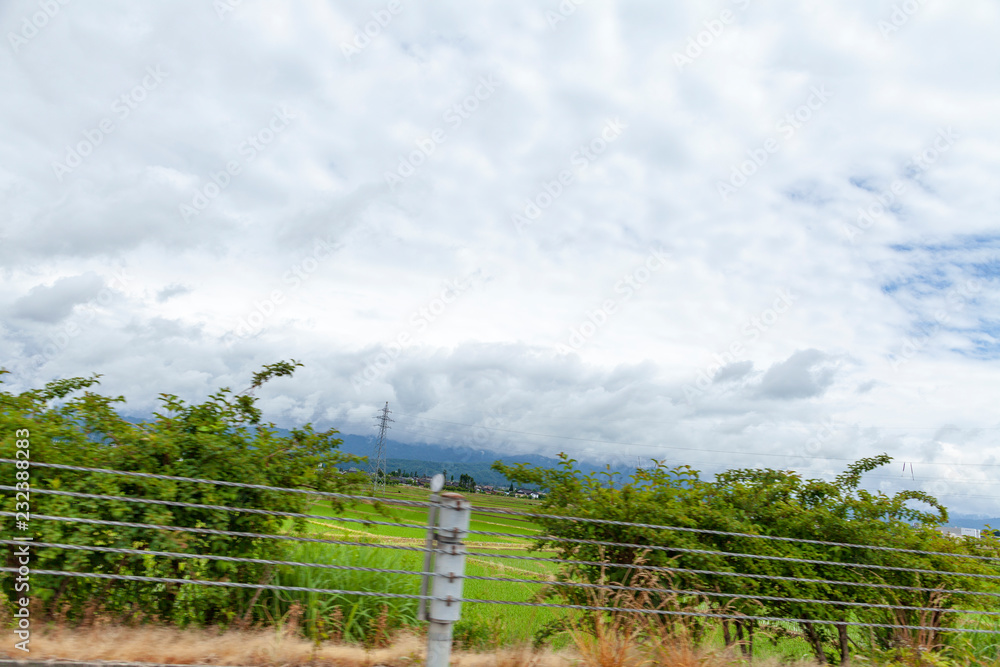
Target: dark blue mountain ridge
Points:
(362, 445)
(973, 521)
(423, 458)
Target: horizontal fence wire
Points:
(451, 600)
(227, 559)
(788, 559)
(543, 538)
(725, 533)
(512, 580)
(213, 531)
(216, 482)
(769, 577)
(540, 538)
(249, 510)
(225, 508)
(496, 510)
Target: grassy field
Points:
(481, 624)
(486, 626)
(489, 625)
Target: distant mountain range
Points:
(411, 467)
(427, 460)
(973, 521)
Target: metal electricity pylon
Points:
(377, 461)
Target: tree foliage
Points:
(221, 438)
(776, 503)
(465, 483)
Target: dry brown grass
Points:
(606, 640)
(252, 648)
(270, 648)
(647, 640)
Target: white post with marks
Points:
(444, 610)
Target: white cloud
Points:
(830, 363)
(52, 303)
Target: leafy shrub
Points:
(775, 503)
(220, 439)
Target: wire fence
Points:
(547, 538)
(661, 612)
(555, 583)
(605, 595)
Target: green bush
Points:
(776, 503)
(220, 439)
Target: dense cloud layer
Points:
(741, 234)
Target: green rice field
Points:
(485, 626)
(483, 623)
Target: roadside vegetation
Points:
(757, 503)
(224, 438)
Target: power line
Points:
(868, 477)
(664, 447)
(934, 479)
(477, 446)
(947, 427)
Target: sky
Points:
(721, 234)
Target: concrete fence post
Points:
(429, 542)
(453, 514)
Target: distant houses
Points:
(486, 489)
(465, 483)
(958, 531)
